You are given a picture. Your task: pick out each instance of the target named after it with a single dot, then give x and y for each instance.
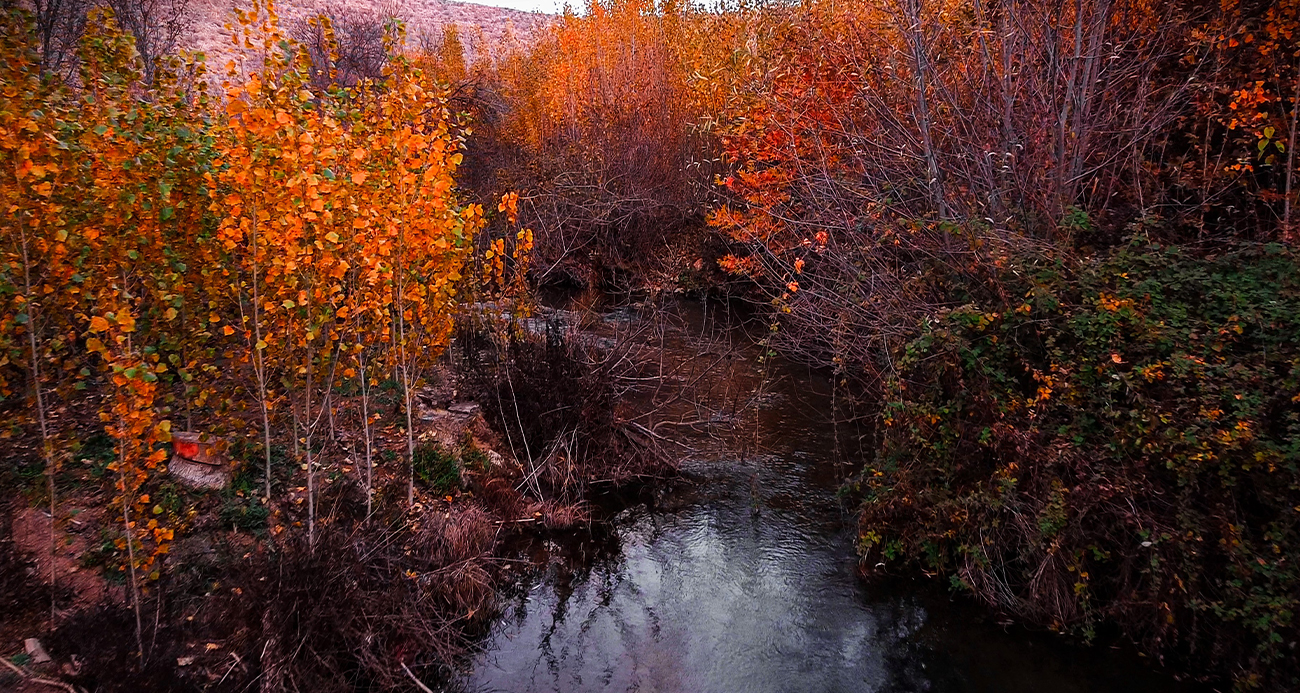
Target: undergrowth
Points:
(1119, 443)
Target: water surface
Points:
(744, 578)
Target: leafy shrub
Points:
(437, 467)
(247, 514)
(1122, 446)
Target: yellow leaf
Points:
(98, 324)
(359, 177)
(227, 330)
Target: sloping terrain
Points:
(482, 28)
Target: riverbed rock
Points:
(464, 408)
(35, 651)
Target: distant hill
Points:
(497, 27)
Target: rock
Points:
(432, 414)
(35, 651)
(199, 461)
(440, 393)
(464, 408)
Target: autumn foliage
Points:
(886, 173)
(974, 207)
(221, 254)
(595, 124)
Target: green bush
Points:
(241, 507)
(437, 467)
(1119, 446)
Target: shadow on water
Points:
(744, 577)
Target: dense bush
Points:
(1120, 446)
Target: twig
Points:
(233, 664)
(48, 682)
(417, 681)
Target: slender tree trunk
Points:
(921, 64)
(1290, 161)
(130, 544)
(307, 430)
(185, 387)
(47, 449)
(365, 430)
(259, 363)
(297, 440)
(1063, 119)
(405, 370)
(1010, 138)
(1083, 108)
(410, 431)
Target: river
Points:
(741, 577)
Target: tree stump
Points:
(199, 460)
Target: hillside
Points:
(479, 25)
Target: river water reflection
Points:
(743, 580)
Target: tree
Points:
(59, 26)
(156, 25)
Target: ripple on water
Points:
(747, 585)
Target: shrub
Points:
(1119, 446)
(437, 467)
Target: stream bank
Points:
(742, 576)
